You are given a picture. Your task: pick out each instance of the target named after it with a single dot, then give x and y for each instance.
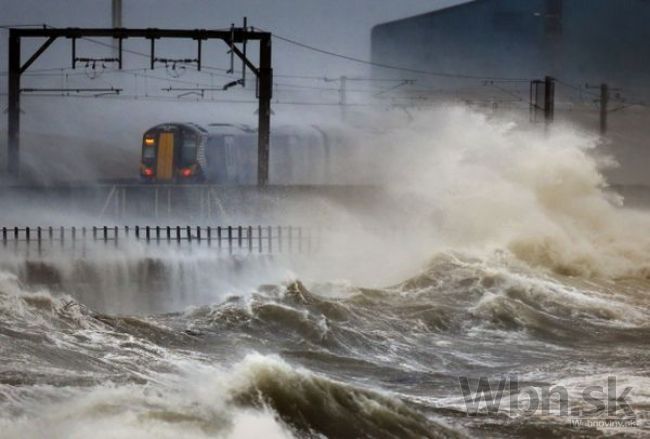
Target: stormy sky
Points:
(338, 25)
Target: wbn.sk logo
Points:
(482, 396)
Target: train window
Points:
(149, 152)
(188, 151)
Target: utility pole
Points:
(549, 100)
(343, 99)
(535, 99)
(13, 110)
(265, 92)
(605, 90)
(542, 99)
(604, 102)
(116, 22)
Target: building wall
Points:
(606, 41)
(577, 40)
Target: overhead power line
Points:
(395, 67)
(223, 70)
(576, 88)
(188, 100)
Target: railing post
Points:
(94, 233)
(105, 234)
(83, 240)
(189, 234)
(299, 240)
(309, 241)
(147, 233)
(209, 233)
(169, 234)
(198, 234)
(239, 236)
(259, 239)
(4, 235)
(250, 239)
(219, 237)
(158, 234)
(116, 231)
(319, 238)
(178, 235)
(27, 234)
(279, 239)
(137, 232)
(269, 230)
(230, 239)
(290, 232)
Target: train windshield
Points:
(148, 152)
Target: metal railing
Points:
(231, 239)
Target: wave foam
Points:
(491, 184)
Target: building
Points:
(579, 41)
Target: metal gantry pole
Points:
(116, 21)
(343, 99)
(13, 110)
(549, 100)
(265, 93)
(604, 102)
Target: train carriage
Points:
(173, 152)
(226, 154)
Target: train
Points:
(226, 154)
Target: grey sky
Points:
(338, 25)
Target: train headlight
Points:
(149, 141)
(186, 172)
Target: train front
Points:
(171, 153)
